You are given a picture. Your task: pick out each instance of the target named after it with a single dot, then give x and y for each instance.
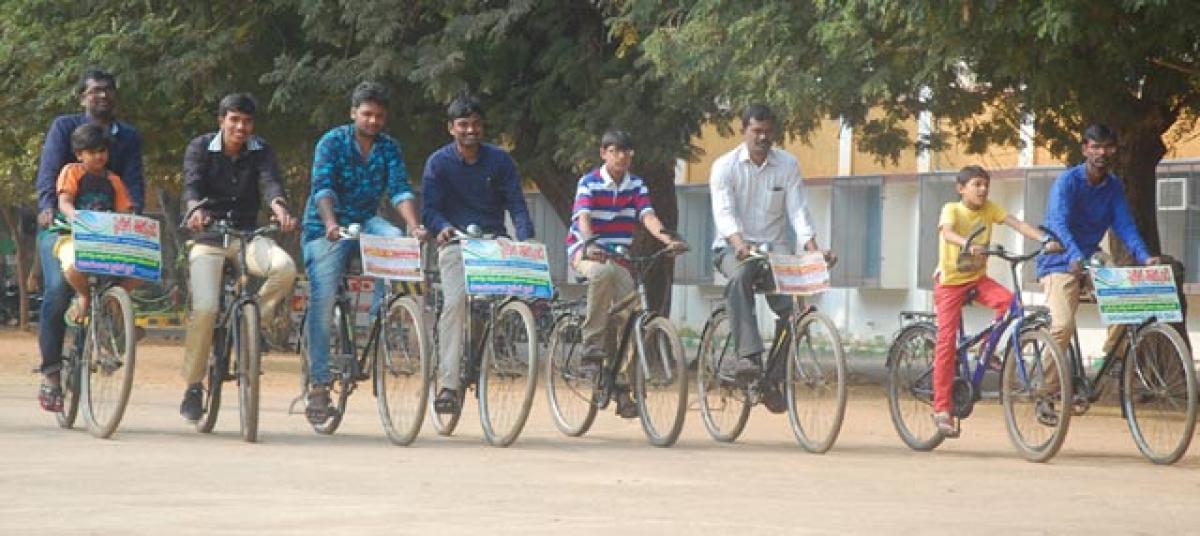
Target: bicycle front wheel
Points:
(401, 371)
(72, 377)
(249, 361)
(508, 374)
(1035, 391)
(910, 386)
(661, 382)
(724, 406)
(108, 363)
(1159, 394)
(570, 393)
(816, 382)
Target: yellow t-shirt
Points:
(963, 221)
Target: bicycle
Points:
(650, 345)
(499, 361)
(99, 357)
(237, 331)
(806, 361)
(395, 358)
(1157, 388)
(1028, 393)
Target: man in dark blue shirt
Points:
(466, 182)
(97, 91)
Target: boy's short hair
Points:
(237, 102)
(1099, 133)
(617, 138)
(757, 112)
(90, 137)
(970, 172)
(369, 92)
(464, 106)
(95, 75)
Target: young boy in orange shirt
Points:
(957, 277)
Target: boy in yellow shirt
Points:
(957, 277)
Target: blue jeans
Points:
(56, 297)
(325, 264)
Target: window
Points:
(1178, 202)
(1037, 194)
(936, 190)
(855, 227)
(696, 227)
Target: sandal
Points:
(945, 424)
(626, 407)
(319, 405)
(50, 397)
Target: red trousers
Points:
(949, 301)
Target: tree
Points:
(982, 66)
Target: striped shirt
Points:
(615, 208)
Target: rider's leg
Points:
(454, 315)
(204, 285)
(264, 258)
(739, 297)
(948, 300)
(607, 283)
(380, 227)
(993, 295)
(1062, 298)
(324, 262)
(56, 297)
(65, 251)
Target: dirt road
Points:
(158, 476)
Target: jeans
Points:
(325, 264)
(56, 297)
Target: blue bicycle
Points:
(1035, 376)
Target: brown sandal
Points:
(946, 424)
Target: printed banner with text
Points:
(803, 275)
(1131, 295)
(396, 258)
(505, 268)
(109, 243)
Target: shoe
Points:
(994, 364)
(945, 424)
(626, 407)
(1046, 414)
(446, 402)
(748, 368)
(50, 395)
(773, 399)
(590, 366)
(318, 406)
(193, 403)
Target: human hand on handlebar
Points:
(446, 235)
(199, 219)
(1053, 246)
(333, 232)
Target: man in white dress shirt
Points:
(757, 192)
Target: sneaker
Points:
(317, 408)
(446, 402)
(773, 399)
(193, 403)
(748, 368)
(50, 395)
(1046, 414)
(626, 407)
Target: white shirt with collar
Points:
(759, 201)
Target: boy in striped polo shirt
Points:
(609, 203)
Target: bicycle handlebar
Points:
(999, 250)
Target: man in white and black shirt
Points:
(757, 191)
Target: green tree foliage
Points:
(982, 65)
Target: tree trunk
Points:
(12, 220)
(170, 233)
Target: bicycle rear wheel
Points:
(108, 363)
(401, 371)
(910, 386)
(249, 361)
(508, 374)
(341, 348)
(1035, 391)
(661, 382)
(71, 375)
(569, 393)
(816, 382)
(214, 378)
(724, 406)
(1159, 394)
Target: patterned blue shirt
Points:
(339, 173)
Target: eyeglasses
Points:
(100, 90)
(626, 152)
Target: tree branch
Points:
(1185, 69)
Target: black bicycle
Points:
(236, 354)
(395, 357)
(806, 367)
(499, 361)
(649, 348)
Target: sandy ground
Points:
(158, 476)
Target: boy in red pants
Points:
(956, 277)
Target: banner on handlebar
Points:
(503, 267)
(122, 245)
(799, 275)
(1134, 294)
(395, 258)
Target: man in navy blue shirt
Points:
(1085, 202)
(97, 91)
(466, 182)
